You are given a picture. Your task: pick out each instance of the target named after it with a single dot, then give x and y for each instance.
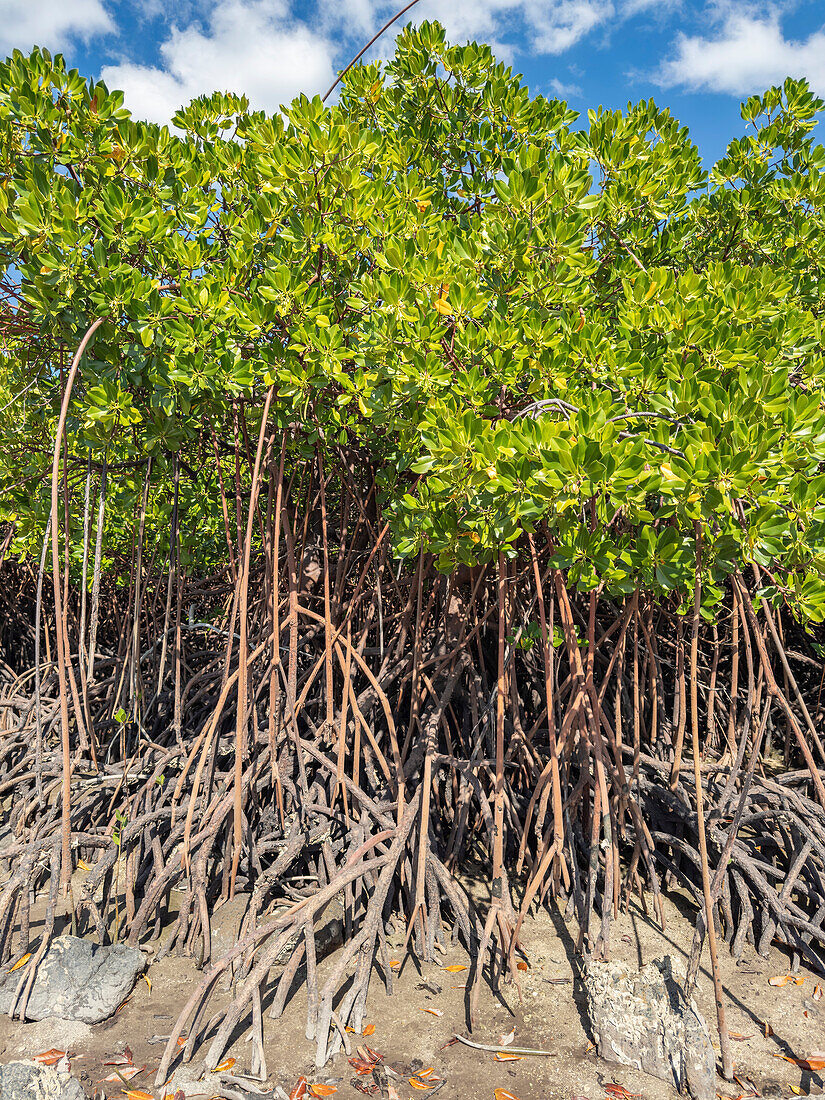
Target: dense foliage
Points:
(511, 319)
(392, 443)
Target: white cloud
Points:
(748, 53)
(550, 26)
(50, 23)
(558, 26)
(656, 8)
(252, 47)
(535, 26)
(562, 90)
(271, 50)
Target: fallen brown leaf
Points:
(810, 1065)
(503, 1056)
(369, 1030)
(361, 1086)
(619, 1091)
(817, 993)
(456, 968)
(322, 1090)
(522, 965)
(745, 1090)
(227, 1063)
(137, 1094)
(50, 1057)
(300, 1089)
(125, 1073)
(738, 1037)
(786, 979)
(503, 1094)
(433, 1011)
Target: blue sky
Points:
(699, 57)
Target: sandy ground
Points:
(547, 1013)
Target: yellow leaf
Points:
(148, 981)
(503, 1056)
(503, 1094)
(433, 1011)
(322, 1090)
(227, 1063)
(369, 1030)
(422, 205)
(21, 961)
(796, 1090)
(137, 1094)
(443, 307)
(456, 968)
